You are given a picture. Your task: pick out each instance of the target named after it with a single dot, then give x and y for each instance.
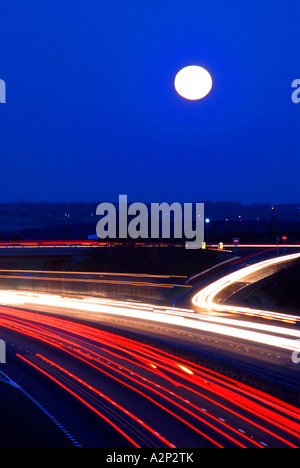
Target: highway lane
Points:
(254, 342)
(247, 340)
(138, 393)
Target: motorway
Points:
(135, 395)
(91, 387)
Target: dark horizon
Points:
(38, 221)
(148, 202)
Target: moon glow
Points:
(193, 82)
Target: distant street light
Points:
(207, 221)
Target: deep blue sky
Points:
(92, 113)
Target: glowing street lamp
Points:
(207, 221)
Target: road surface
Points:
(88, 387)
(103, 390)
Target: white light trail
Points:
(267, 335)
(205, 299)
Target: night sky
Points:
(92, 112)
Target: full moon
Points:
(193, 82)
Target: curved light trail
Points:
(206, 297)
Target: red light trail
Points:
(174, 386)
